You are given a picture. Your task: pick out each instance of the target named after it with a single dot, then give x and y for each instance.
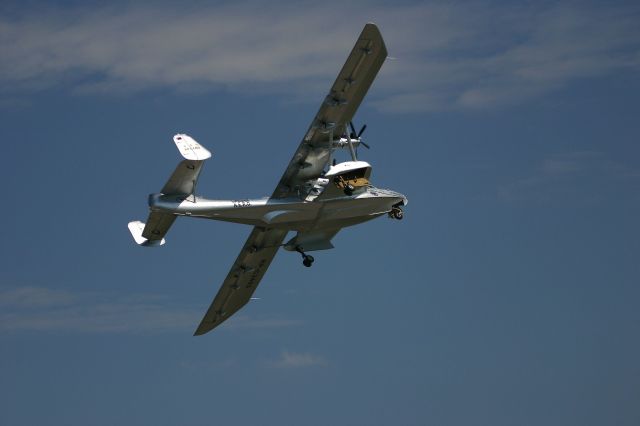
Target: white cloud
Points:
(467, 55)
(30, 297)
(581, 176)
(298, 359)
(43, 309)
(244, 321)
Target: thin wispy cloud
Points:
(247, 322)
(298, 360)
(580, 176)
(43, 309)
(463, 55)
(34, 297)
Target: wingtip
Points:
(372, 31)
(201, 330)
(372, 25)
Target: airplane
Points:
(315, 198)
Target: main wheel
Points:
(396, 213)
(306, 262)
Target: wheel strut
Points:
(307, 260)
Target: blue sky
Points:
(507, 295)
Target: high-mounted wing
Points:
(335, 113)
(312, 155)
(245, 275)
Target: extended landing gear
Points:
(307, 260)
(396, 213)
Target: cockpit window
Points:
(354, 174)
(352, 179)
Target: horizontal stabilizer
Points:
(189, 148)
(136, 227)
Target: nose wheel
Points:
(307, 260)
(396, 213)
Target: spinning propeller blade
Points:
(357, 135)
(353, 133)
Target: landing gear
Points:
(396, 213)
(307, 260)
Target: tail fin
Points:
(184, 178)
(182, 182)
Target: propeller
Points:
(357, 135)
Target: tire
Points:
(397, 213)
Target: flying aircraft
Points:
(315, 198)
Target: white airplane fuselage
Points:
(288, 213)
